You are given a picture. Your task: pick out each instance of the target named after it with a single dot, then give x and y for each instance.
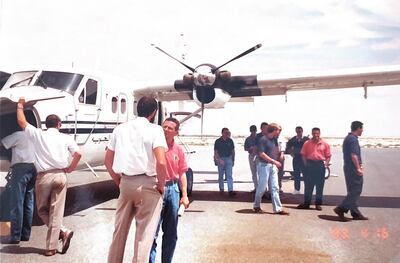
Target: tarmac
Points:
(219, 228)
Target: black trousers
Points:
(298, 168)
(314, 176)
(354, 184)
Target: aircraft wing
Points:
(253, 85)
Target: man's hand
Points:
(278, 164)
(21, 102)
(185, 201)
(221, 162)
(360, 171)
(160, 188)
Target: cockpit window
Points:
(19, 79)
(65, 81)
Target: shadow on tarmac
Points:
(287, 198)
(15, 249)
(332, 218)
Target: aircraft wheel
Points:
(189, 178)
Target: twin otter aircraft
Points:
(91, 105)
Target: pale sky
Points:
(297, 36)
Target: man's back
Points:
(133, 143)
(21, 147)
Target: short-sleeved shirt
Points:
(295, 144)
(268, 147)
(319, 151)
(249, 142)
(176, 162)
(21, 148)
(133, 143)
(351, 146)
(52, 148)
(224, 147)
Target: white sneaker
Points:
(296, 192)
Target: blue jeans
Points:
(227, 170)
(268, 173)
(23, 177)
(169, 223)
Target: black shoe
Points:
(318, 207)
(66, 240)
(232, 193)
(360, 217)
(340, 213)
(257, 210)
(282, 213)
(303, 206)
(24, 238)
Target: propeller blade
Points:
(239, 56)
(188, 67)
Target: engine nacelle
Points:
(212, 98)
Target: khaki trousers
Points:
(51, 190)
(138, 199)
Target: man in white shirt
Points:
(22, 177)
(52, 150)
(135, 159)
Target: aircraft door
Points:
(87, 107)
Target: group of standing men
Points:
(310, 158)
(143, 160)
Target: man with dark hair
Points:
(224, 154)
(176, 174)
(353, 173)
(316, 155)
(267, 170)
(21, 179)
(251, 147)
(293, 147)
(52, 152)
(135, 160)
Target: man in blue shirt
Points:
(251, 147)
(353, 172)
(224, 155)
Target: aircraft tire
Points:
(189, 178)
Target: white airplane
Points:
(91, 105)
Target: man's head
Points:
(357, 127)
(299, 131)
(147, 107)
(263, 125)
(272, 130)
(53, 121)
(171, 127)
(253, 129)
(225, 133)
(315, 132)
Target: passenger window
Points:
(91, 91)
(114, 104)
(123, 106)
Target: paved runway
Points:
(217, 228)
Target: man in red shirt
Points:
(176, 173)
(316, 155)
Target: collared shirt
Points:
(295, 144)
(224, 147)
(318, 151)
(52, 148)
(176, 162)
(267, 146)
(21, 147)
(351, 146)
(249, 143)
(133, 143)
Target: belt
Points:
(315, 161)
(51, 171)
(143, 174)
(169, 183)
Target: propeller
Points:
(238, 56)
(188, 67)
